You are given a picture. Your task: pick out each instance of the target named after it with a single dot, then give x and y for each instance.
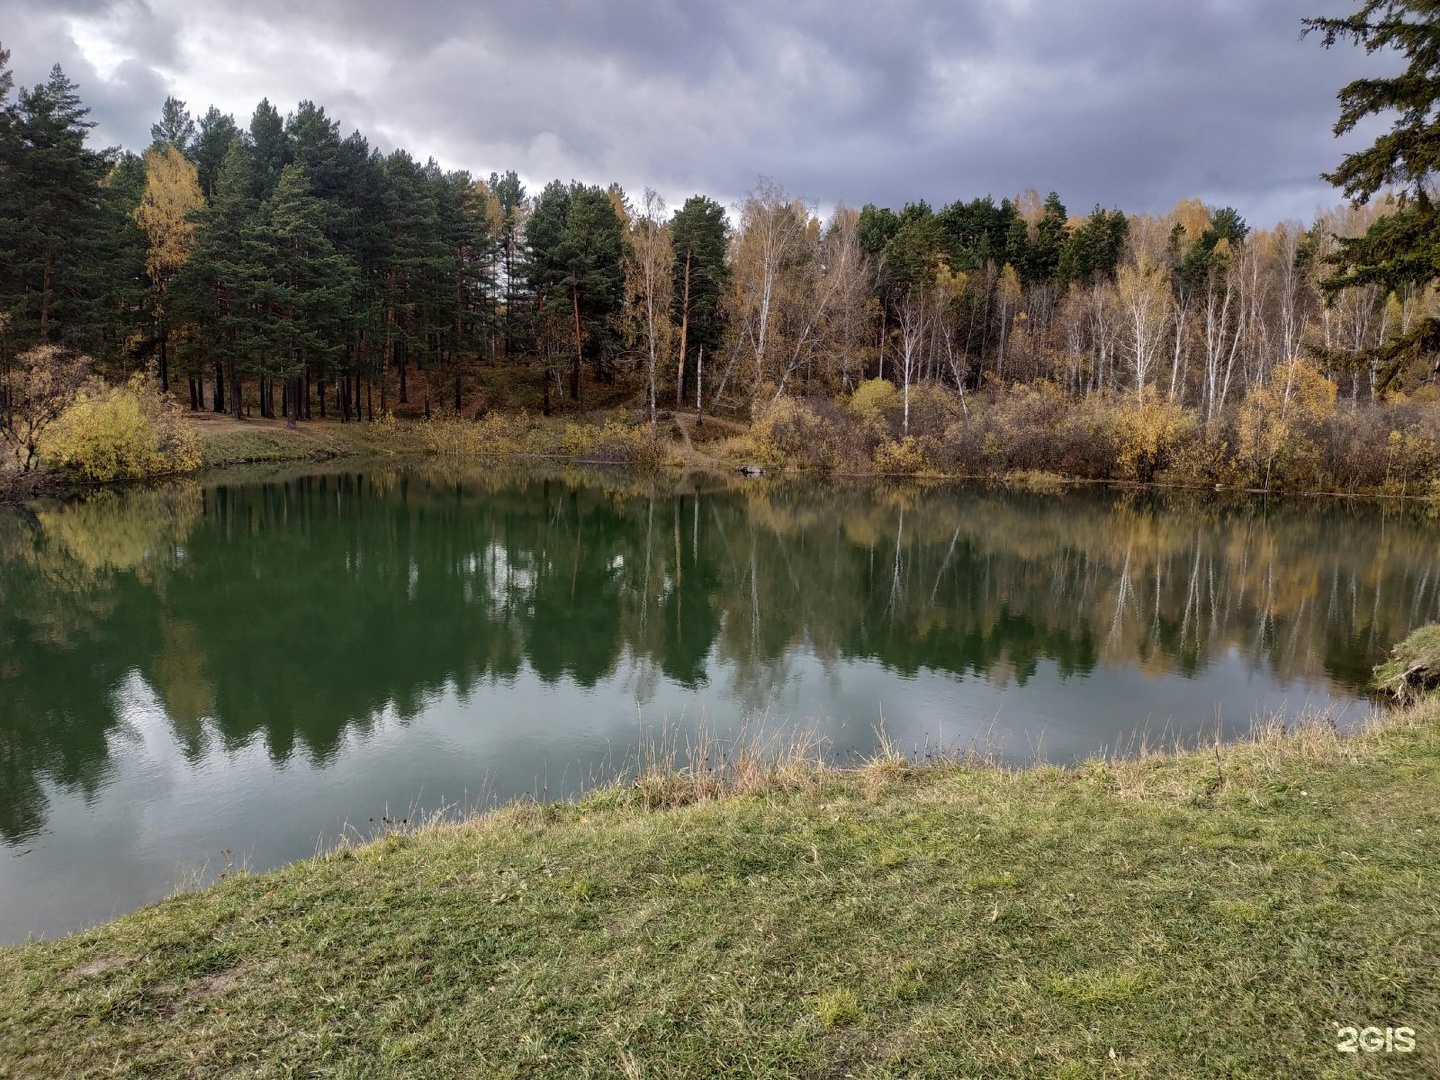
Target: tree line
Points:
(284, 267)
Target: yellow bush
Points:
(1035, 480)
(496, 434)
(933, 408)
(122, 433)
(1146, 435)
(503, 435)
(873, 400)
(448, 435)
(792, 434)
(1428, 394)
(1409, 458)
(908, 455)
(1280, 425)
(615, 442)
(579, 440)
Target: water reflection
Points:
(299, 614)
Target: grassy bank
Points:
(224, 441)
(613, 438)
(792, 437)
(1213, 913)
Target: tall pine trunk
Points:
(402, 358)
(235, 388)
(163, 334)
(579, 346)
(45, 296)
(684, 331)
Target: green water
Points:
(253, 665)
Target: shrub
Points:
(875, 404)
(1279, 428)
(1036, 480)
(1146, 435)
(36, 388)
(805, 434)
(614, 443)
(933, 408)
(122, 433)
(497, 433)
(1410, 456)
(909, 456)
(1022, 427)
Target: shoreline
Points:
(776, 916)
(260, 442)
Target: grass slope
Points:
(224, 441)
(1217, 913)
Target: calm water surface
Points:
(251, 665)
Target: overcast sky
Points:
(1133, 104)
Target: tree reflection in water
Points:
(300, 610)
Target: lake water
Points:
(253, 664)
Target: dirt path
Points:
(697, 454)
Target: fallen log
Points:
(1414, 666)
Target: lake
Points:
(239, 671)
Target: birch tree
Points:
(912, 319)
(770, 244)
(1145, 304)
(649, 265)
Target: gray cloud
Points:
(1128, 103)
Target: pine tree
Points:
(55, 211)
(1052, 231)
(877, 226)
(698, 232)
(416, 261)
(216, 289)
(112, 275)
(513, 206)
(9, 196)
(366, 242)
(215, 135)
(270, 146)
(576, 244)
(1401, 248)
(303, 290)
(465, 307)
(175, 127)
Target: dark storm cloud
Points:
(1129, 103)
(124, 100)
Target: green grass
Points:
(305, 442)
(1208, 914)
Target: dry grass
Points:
(748, 909)
(1414, 666)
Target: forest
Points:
(280, 268)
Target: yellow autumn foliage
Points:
(908, 456)
(122, 433)
(498, 434)
(172, 195)
(1146, 434)
(1279, 427)
(874, 403)
(614, 442)
(790, 434)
